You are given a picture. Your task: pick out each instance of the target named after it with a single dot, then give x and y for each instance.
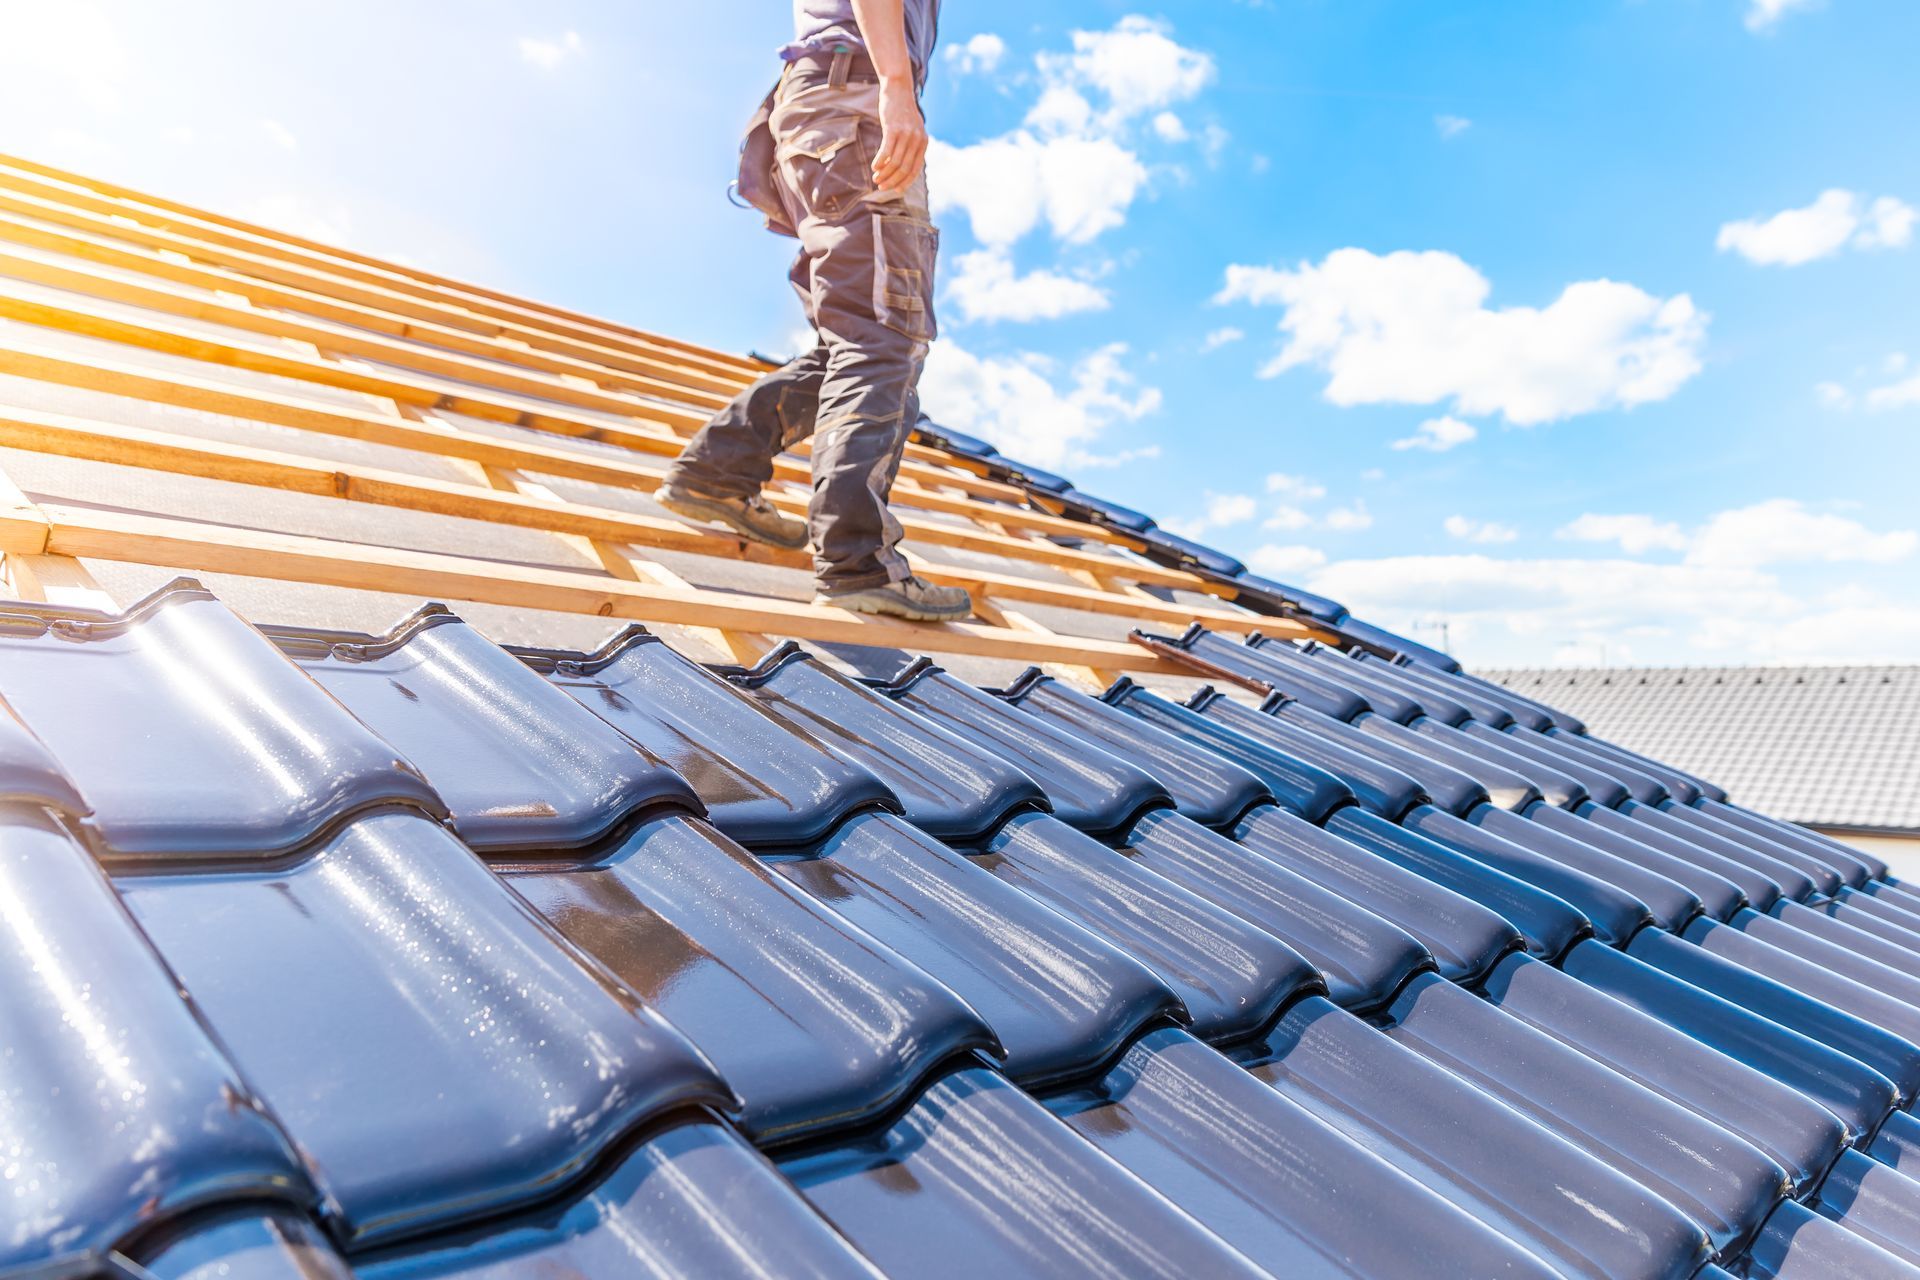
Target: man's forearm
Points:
(883, 28)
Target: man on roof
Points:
(836, 159)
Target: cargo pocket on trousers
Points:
(905, 249)
(825, 165)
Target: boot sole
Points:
(892, 609)
(709, 517)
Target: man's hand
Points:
(903, 144)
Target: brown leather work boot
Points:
(913, 598)
(752, 518)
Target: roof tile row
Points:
(496, 961)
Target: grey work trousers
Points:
(865, 280)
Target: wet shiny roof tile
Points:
(520, 765)
(764, 782)
(186, 731)
(951, 787)
(1088, 787)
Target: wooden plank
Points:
(522, 503)
(489, 380)
(96, 248)
(311, 368)
(211, 396)
(23, 526)
(458, 318)
(60, 580)
(182, 544)
(622, 560)
(151, 210)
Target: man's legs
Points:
(732, 456)
(865, 276)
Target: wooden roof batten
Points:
(220, 317)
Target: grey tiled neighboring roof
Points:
(1824, 746)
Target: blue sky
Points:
(1214, 260)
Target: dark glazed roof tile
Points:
(1464, 938)
(1282, 596)
(765, 783)
(1061, 1000)
(1449, 787)
(1380, 787)
(1206, 787)
(951, 787)
(1556, 786)
(440, 1053)
(188, 733)
(1420, 683)
(1362, 958)
(695, 1200)
(1583, 1217)
(519, 764)
(1232, 976)
(978, 1179)
(1615, 914)
(253, 1243)
(1724, 1184)
(1387, 695)
(1303, 788)
(1505, 785)
(118, 1111)
(1799, 1134)
(811, 1023)
(1311, 675)
(1216, 655)
(1220, 1143)
(1089, 788)
(1084, 506)
(28, 774)
(1549, 924)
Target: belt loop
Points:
(842, 65)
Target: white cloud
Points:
(1015, 402)
(548, 54)
(1636, 534)
(1276, 561)
(1222, 510)
(1775, 531)
(985, 287)
(1837, 219)
(1351, 519)
(280, 135)
(1414, 328)
(1481, 531)
(1437, 435)
(1451, 127)
(1783, 531)
(1503, 611)
(1080, 186)
(1897, 395)
(1762, 14)
(1221, 337)
(1137, 66)
(1071, 164)
(1170, 128)
(1298, 488)
(981, 53)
